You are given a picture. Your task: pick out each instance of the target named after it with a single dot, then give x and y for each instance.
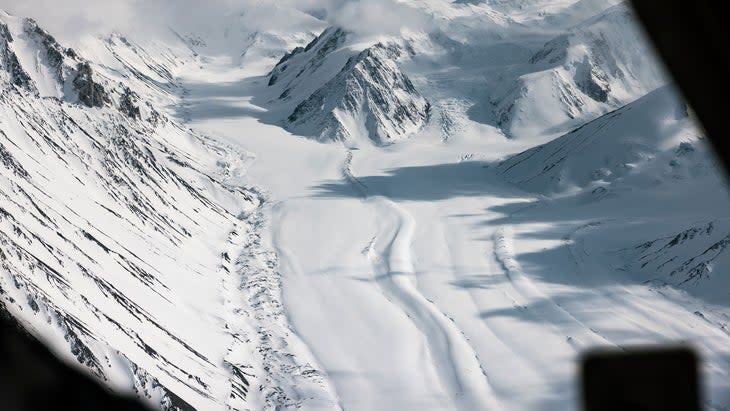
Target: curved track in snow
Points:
(390, 253)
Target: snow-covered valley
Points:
(464, 267)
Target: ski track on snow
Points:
(390, 253)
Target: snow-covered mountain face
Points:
(119, 232)
(650, 141)
(312, 208)
(369, 96)
(57, 72)
(686, 259)
(597, 65)
(649, 144)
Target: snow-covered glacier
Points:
(297, 206)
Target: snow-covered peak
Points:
(50, 67)
(334, 90)
(370, 98)
(302, 70)
(34, 61)
(598, 65)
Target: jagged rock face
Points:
(52, 70)
(365, 97)
(592, 81)
(90, 93)
(370, 96)
(54, 52)
(303, 62)
(10, 162)
(9, 61)
(63, 66)
(128, 104)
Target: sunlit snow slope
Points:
(323, 217)
(122, 243)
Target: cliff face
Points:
(45, 68)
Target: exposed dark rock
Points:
(18, 76)
(91, 94)
(668, 254)
(54, 51)
(592, 81)
(127, 104)
(330, 40)
(74, 331)
(172, 402)
(552, 52)
(684, 149)
(371, 85)
(11, 163)
(5, 33)
(327, 42)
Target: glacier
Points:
(316, 216)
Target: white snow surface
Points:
(465, 267)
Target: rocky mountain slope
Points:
(117, 228)
(596, 66)
(690, 259)
(369, 95)
(649, 144)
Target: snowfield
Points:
(451, 218)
